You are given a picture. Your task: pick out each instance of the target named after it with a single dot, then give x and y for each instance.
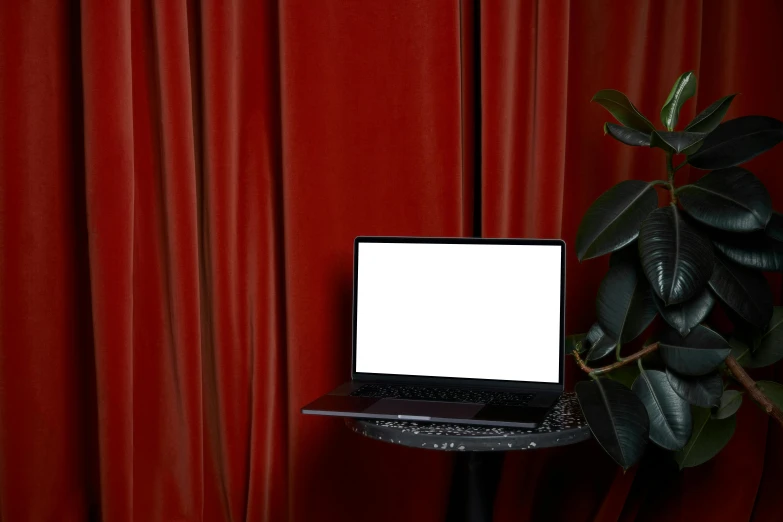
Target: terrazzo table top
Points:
(564, 425)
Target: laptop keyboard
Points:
(442, 394)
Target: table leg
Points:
(474, 485)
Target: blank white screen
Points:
(459, 310)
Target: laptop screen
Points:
(470, 311)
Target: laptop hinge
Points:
(459, 383)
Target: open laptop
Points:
(458, 330)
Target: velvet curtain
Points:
(180, 183)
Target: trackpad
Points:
(448, 410)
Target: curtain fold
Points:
(180, 186)
(167, 460)
(47, 398)
(524, 81)
(107, 76)
(372, 145)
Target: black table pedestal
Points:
(479, 450)
(474, 485)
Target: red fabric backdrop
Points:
(179, 187)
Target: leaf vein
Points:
(658, 404)
(676, 269)
(694, 439)
(618, 214)
(611, 418)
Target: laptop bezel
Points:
(457, 381)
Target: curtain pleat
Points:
(524, 81)
(168, 465)
(180, 186)
(47, 397)
(107, 87)
(371, 146)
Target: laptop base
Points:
(341, 403)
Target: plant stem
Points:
(605, 369)
(670, 172)
(745, 380)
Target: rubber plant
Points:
(709, 246)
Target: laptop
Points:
(458, 330)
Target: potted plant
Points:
(707, 247)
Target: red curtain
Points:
(180, 183)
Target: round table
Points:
(479, 450)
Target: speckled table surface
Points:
(564, 425)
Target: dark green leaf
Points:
(756, 251)
(749, 333)
(616, 417)
(624, 304)
(773, 390)
(744, 291)
(600, 344)
(708, 437)
(625, 375)
(692, 149)
(594, 334)
(737, 141)
(730, 402)
(704, 391)
(629, 254)
(622, 109)
(653, 359)
(741, 352)
(698, 353)
(684, 88)
(770, 347)
(676, 258)
(627, 135)
(676, 142)
(613, 220)
(575, 343)
(775, 227)
(684, 316)
(730, 199)
(670, 415)
(708, 119)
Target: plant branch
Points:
(605, 369)
(736, 370)
(681, 165)
(749, 384)
(670, 170)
